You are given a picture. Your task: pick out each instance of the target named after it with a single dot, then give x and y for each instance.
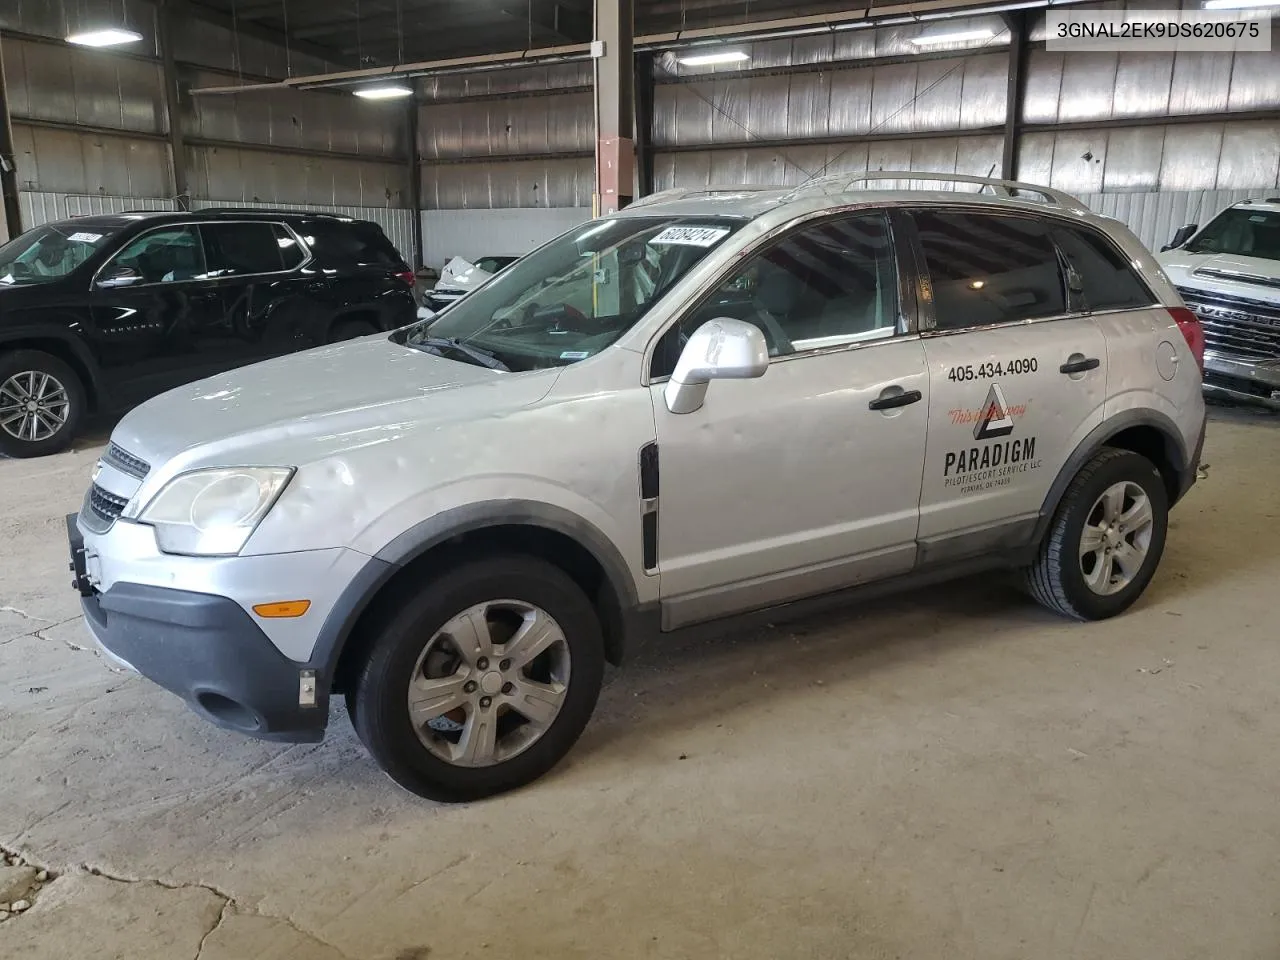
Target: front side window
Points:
(241, 249)
(1107, 281)
(50, 252)
(573, 297)
(989, 269)
(826, 284)
(167, 255)
(1242, 232)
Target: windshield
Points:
(574, 297)
(50, 252)
(1241, 231)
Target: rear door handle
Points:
(1080, 366)
(889, 402)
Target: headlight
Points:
(212, 512)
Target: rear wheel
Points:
(482, 682)
(42, 402)
(1106, 539)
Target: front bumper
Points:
(439, 298)
(1244, 381)
(209, 652)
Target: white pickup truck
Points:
(1228, 272)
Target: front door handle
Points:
(888, 401)
(1080, 366)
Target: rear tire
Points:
(42, 403)
(1106, 538)
(483, 690)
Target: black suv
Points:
(100, 313)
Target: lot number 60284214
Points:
(985, 371)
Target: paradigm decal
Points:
(990, 464)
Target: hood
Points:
(308, 405)
(459, 274)
(1188, 269)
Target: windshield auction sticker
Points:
(691, 236)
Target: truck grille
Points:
(126, 462)
(101, 509)
(1236, 326)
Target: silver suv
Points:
(713, 404)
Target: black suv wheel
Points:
(42, 402)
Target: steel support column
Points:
(8, 164)
(173, 108)
(615, 104)
(644, 123)
(1017, 21)
(415, 182)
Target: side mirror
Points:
(722, 349)
(119, 277)
(1181, 236)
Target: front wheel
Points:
(42, 402)
(482, 682)
(1106, 539)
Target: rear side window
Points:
(989, 269)
(291, 252)
(358, 244)
(1107, 281)
(241, 249)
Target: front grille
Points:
(126, 462)
(1237, 326)
(103, 508)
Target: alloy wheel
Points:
(1116, 538)
(489, 683)
(34, 406)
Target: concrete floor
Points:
(944, 776)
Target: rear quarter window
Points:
(352, 244)
(1107, 280)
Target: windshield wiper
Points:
(441, 346)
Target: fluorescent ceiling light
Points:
(1239, 4)
(724, 56)
(984, 34)
(385, 92)
(110, 37)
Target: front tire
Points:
(1106, 539)
(42, 403)
(483, 680)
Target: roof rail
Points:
(839, 183)
(682, 193)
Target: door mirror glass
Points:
(722, 349)
(119, 277)
(1181, 236)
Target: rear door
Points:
(265, 295)
(1017, 374)
(359, 277)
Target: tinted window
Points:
(989, 269)
(291, 253)
(830, 283)
(167, 255)
(359, 244)
(239, 249)
(1107, 281)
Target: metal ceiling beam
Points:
(8, 164)
(209, 15)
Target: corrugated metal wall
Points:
(93, 122)
(478, 233)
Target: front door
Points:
(152, 306)
(807, 479)
(1017, 378)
